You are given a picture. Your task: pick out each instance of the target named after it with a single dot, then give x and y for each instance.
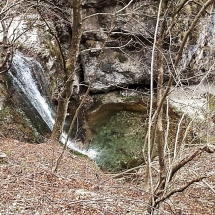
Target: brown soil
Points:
(28, 185)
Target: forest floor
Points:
(28, 186)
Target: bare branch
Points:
(124, 7)
(204, 7)
(179, 54)
(206, 183)
(8, 7)
(197, 152)
(2, 65)
(181, 189)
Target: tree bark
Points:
(159, 131)
(159, 126)
(69, 71)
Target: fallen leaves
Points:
(28, 185)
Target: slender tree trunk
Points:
(159, 131)
(159, 126)
(158, 134)
(60, 118)
(69, 71)
(4, 50)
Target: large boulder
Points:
(126, 56)
(116, 69)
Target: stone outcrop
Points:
(116, 70)
(127, 55)
(197, 62)
(126, 58)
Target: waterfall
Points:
(25, 72)
(26, 83)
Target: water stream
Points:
(25, 72)
(24, 81)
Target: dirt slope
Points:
(27, 185)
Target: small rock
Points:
(210, 148)
(2, 155)
(3, 158)
(82, 192)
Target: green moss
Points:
(78, 153)
(5, 113)
(121, 57)
(210, 100)
(15, 124)
(31, 130)
(53, 49)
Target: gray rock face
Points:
(127, 55)
(116, 69)
(197, 62)
(129, 38)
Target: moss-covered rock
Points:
(14, 124)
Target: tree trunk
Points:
(69, 71)
(159, 130)
(4, 48)
(159, 125)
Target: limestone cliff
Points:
(126, 60)
(127, 28)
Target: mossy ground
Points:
(14, 124)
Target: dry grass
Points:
(29, 187)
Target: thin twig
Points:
(121, 174)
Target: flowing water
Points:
(28, 80)
(24, 81)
